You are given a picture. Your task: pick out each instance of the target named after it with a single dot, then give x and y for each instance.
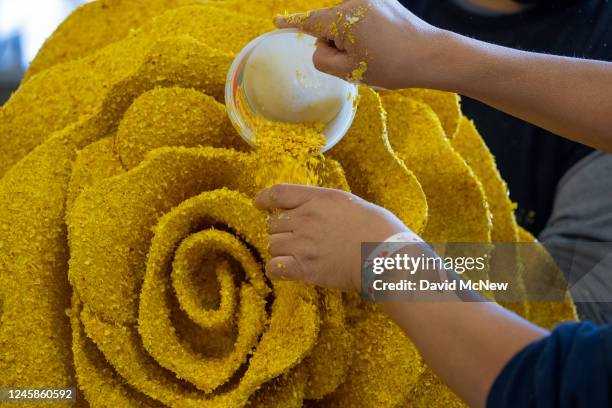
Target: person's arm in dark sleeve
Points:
(572, 367)
(578, 235)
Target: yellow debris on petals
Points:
(446, 105)
(288, 152)
(468, 143)
(450, 185)
(373, 170)
(95, 25)
(358, 73)
(162, 52)
(173, 117)
(541, 274)
(472, 148)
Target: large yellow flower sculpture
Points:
(130, 251)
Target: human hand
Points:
(398, 48)
(317, 233)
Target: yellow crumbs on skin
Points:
(358, 73)
(352, 18)
(297, 18)
(133, 257)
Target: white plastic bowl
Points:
(239, 108)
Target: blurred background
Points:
(24, 27)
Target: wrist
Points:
(394, 235)
(453, 62)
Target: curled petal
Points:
(448, 182)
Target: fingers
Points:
(318, 23)
(281, 222)
(326, 24)
(327, 58)
(280, 244)
(285, 268)
(284, 196)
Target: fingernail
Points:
(276, 276)
(293, 19)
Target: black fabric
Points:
(570, 368)
(531, 160)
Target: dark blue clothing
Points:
(570, 368)
(530, 159)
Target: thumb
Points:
(284, 196)
(332, 61)
(316, 22)
(285, 268)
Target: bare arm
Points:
(567, 96)
(316, 237)
(570, 97)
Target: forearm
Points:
(467, 344)
(567, 96)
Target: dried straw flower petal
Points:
(450, 186)
(373, 170)
(267, 9)
(173, 117)
(95, 25)
(144, 195)
(385, 367)
(539, 269)
(504, 228)
(223, 318)
(163, 52)
(446, 105)
(472, 148)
